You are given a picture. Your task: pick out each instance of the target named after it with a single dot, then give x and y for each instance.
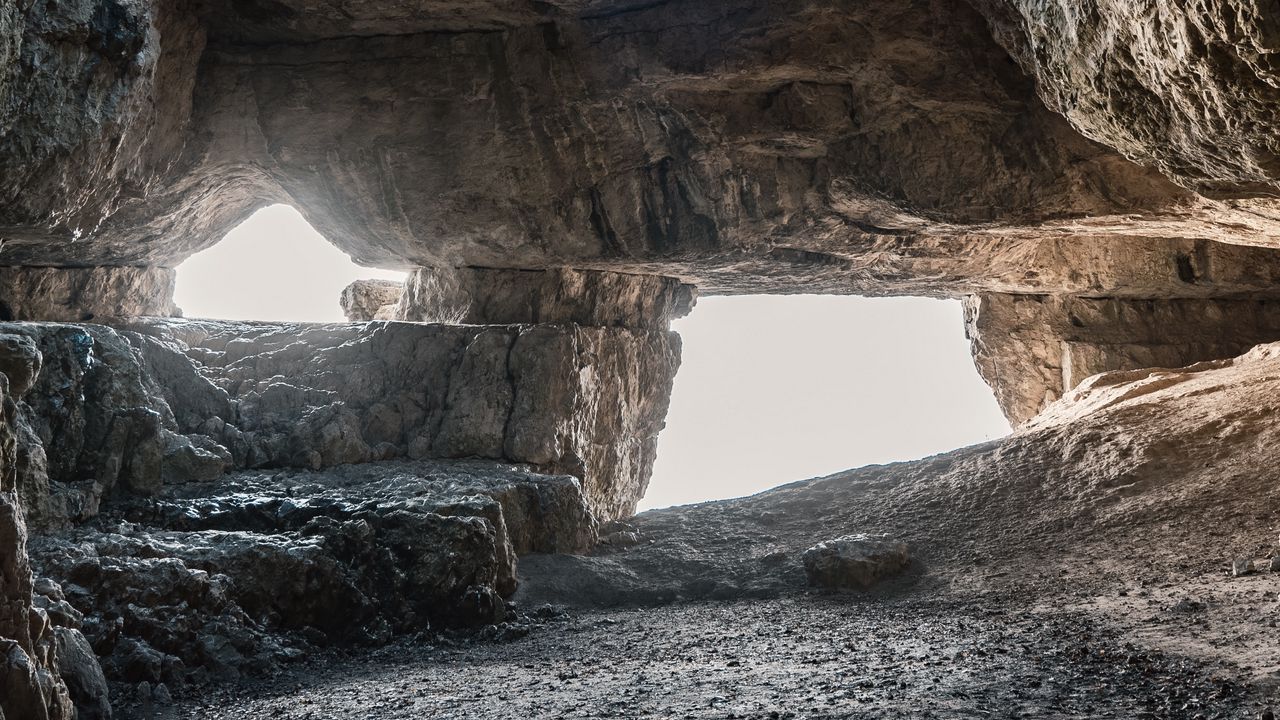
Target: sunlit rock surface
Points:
(1033, 349)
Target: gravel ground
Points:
(805, 656)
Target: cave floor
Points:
(799, 656)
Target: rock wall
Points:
(1189, 89)
(587, 401)
(491, 296)
(30, 686)
(85, 294)
(1032, 350)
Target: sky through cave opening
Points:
(273, 266)
(773, 389)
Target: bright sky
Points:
(274, 266)
(771, 388)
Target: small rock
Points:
(1274, 565)
(1242, 566)
(855, 561)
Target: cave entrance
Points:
(773, 389)
(273, 266)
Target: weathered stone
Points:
(29, 685)
(365, 300)
(855, 562)
(1190, 90)
(486, 296)
(357, 554)
(85, 294)
(323, 395)
(19, 362)
(1032, 350)
(82, 674)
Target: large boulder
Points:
(855, 562)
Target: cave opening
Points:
(273, 266)
(773, 389)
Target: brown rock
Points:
(371, 299)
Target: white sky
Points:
(273, 266)
(771, 388)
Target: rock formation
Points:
(365, 300)
(560, 180)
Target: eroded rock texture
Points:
(560, 178)
(239, 575)
(30, 686)
(365, 300)
(85, 294)
(1034, 349)
(489, 296)
(1191, 90)
(588, 401)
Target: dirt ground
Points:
(794, 657)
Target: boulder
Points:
(855, 562)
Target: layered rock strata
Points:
(1032, 349)
(85, 294)
(586, 401)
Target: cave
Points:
(428, 507)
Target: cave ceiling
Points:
(932, 147)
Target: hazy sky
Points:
(771, 389)
(779, 388)
(274, 266)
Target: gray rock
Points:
(855, 562)
(79, 669)
(20, 362)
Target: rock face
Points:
(855, 562)
(1192, 92)
(324, 395)
(560, 179)
(85, 294)
(1034, 349)
(233, 577)
(487, 296)
(29, 683)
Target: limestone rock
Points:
(1190, 90)
(1032, 350)
(29, 684)
(371, 300)
(323, 395)
(855, 562)
(217, 580)
(85, 294)
(700, 142)
(486, 296)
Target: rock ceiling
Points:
(928, 147)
